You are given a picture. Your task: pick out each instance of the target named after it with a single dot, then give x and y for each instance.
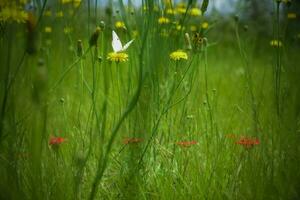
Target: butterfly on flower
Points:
(117, 45)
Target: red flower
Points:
(248, 142)
(186, 143)
(132, 140)
(55, 141)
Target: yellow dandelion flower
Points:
(178, 55)
(276, 43)
(204, 25)
(163, 20)
(179, 27)
(76, 3)
(13, 13)
(168, 2)
(181, 10)
(170, 11)
(65, 1)
(195, 12)
(193, 28)
(291, 15)
(117, 56)
(120, 25)
(48, 29)
(48, 13)
(59, 14)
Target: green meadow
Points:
(154, 100)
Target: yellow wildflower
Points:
(163, 20)
(181, 10)
(276, 43)
(195, 12)
(291, 15)
(170, 11)
(120, 24)
(48, 13)
(59, 14)
(76, 3)
(66, 1)
(13, 13)
(48, 29)
(117, 56)
(178, 55)
(168, 2)
(179, 27)
(193, 28)
(204, 25)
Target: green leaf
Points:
(204, 6)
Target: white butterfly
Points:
(117, 45)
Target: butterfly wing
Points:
(116, 43)
(127, 45)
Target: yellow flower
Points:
(195, 12)
(163, 20)
(59, 14)
(13, 13)
(291, 15)
(204, 25)
(180, 10)
(168, 2)
(117, 56)
(76, 3)
(48, 13)
(120, 24)
(179, 27)
(170, 11)
(178, 55)
(193, 28)
(66, 1)
(276, 43)
(48, 29)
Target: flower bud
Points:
(188, 41)
(94, 37)
(79, 48)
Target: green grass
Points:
(224, 91)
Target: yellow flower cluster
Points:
(76, 3)
(276, 43)
(195, 12)
(163, 20)
(117, 56)
(179, 55)
(13, 12)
